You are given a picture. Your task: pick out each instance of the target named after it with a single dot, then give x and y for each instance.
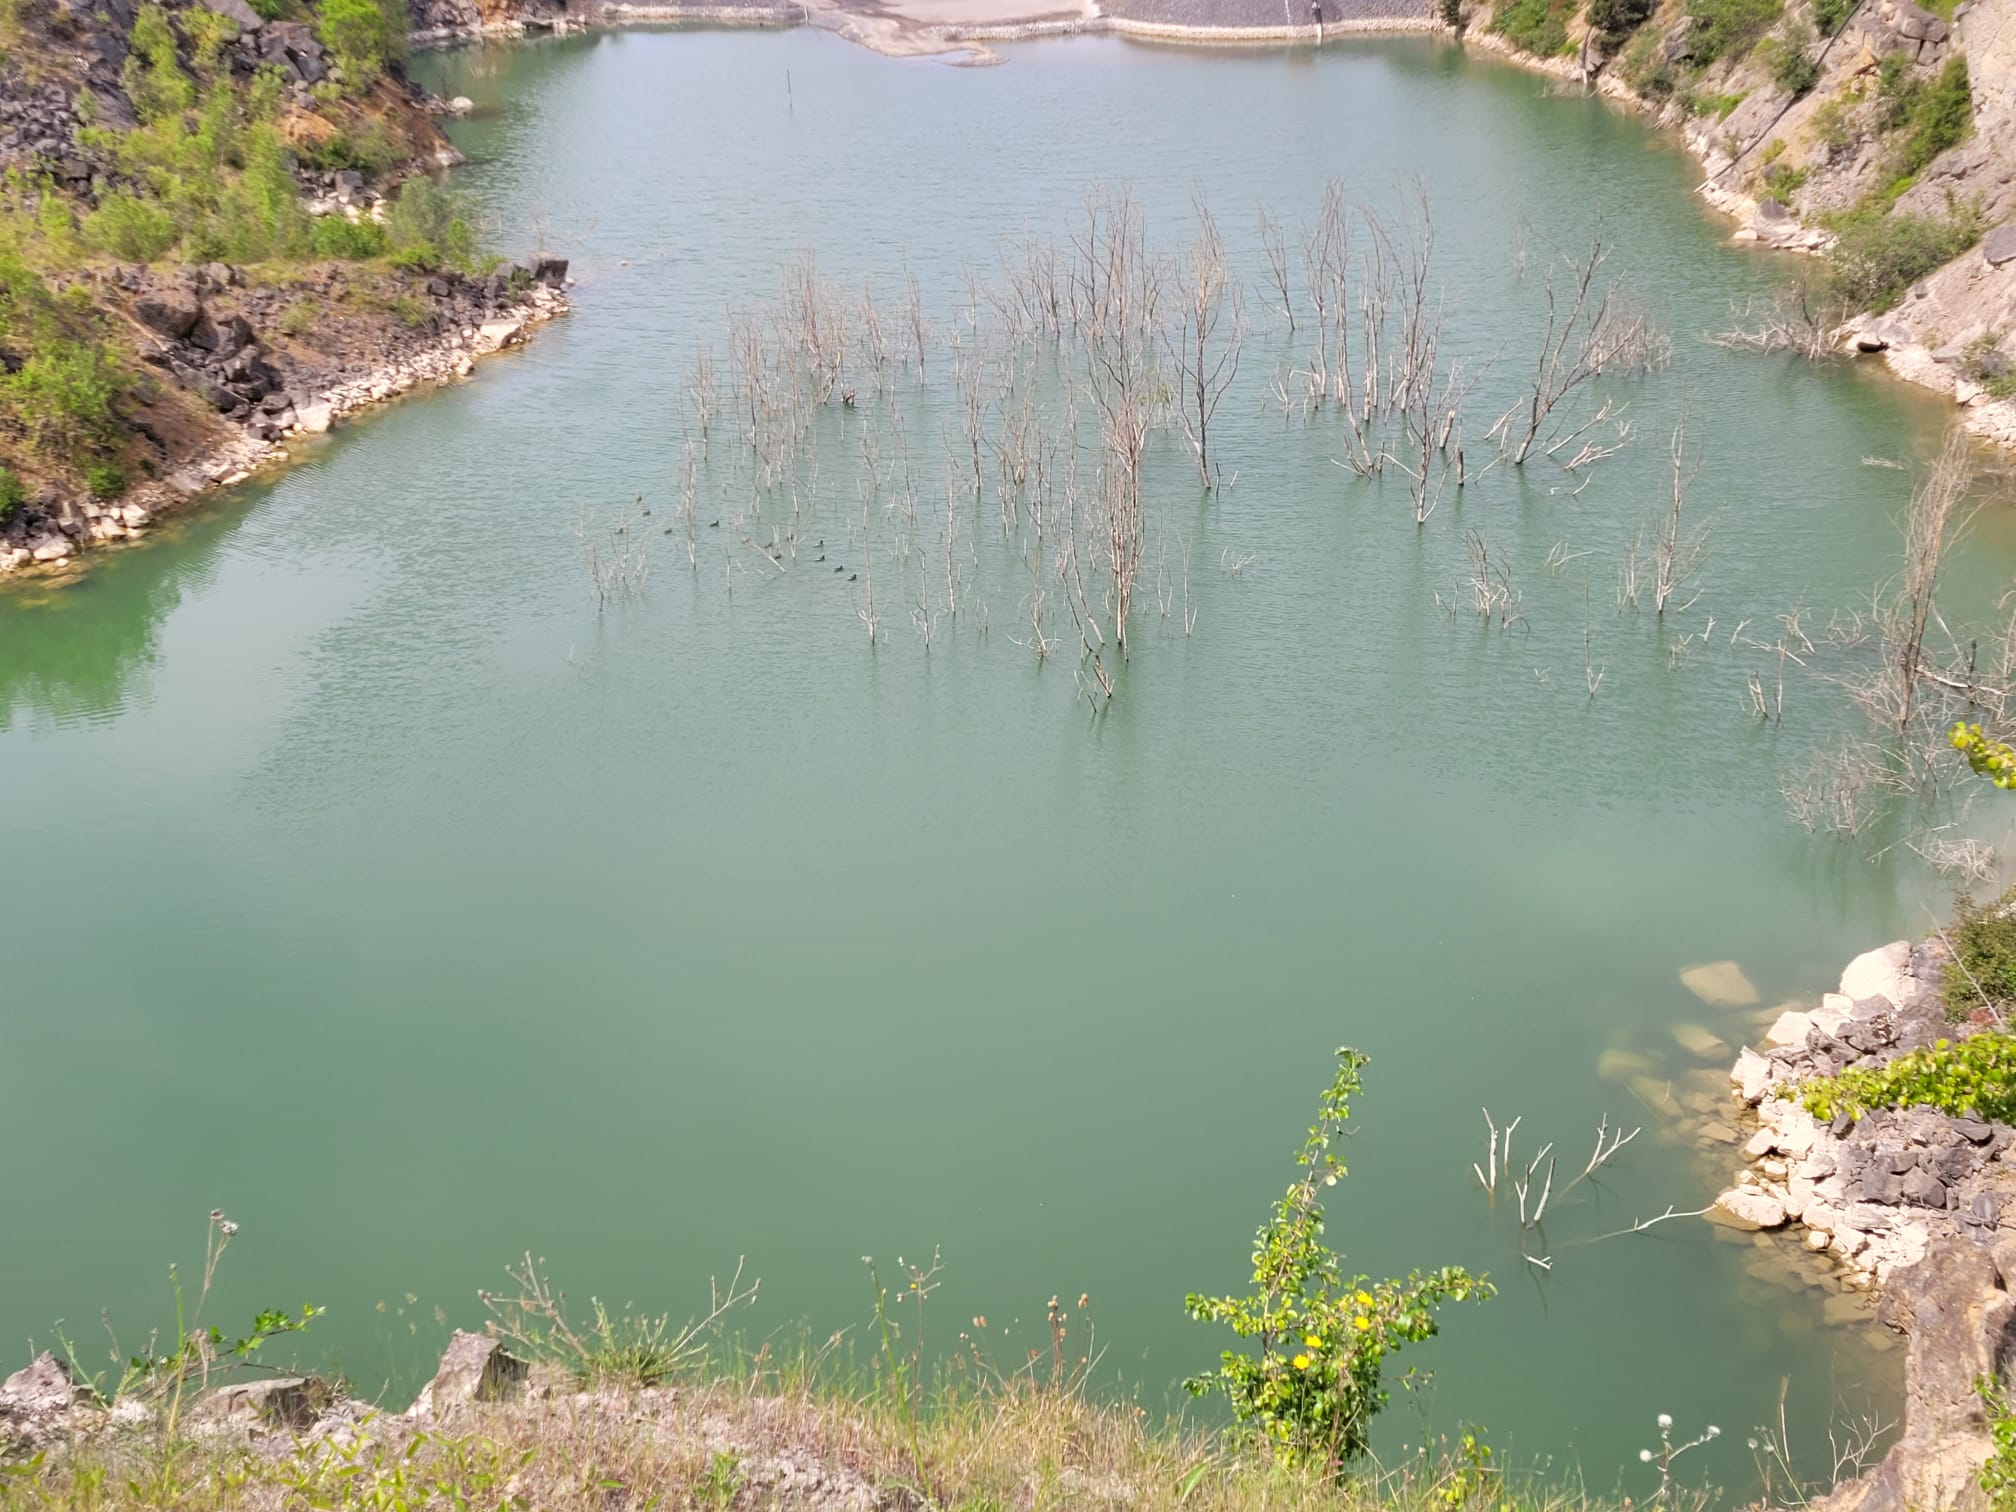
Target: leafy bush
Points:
(63, 398)
(1941, 113)
(12, 495)
(105, 480)
(1645, 69)
(429, 227)
(364, 35)
(1312, 1392)
(351, 241)
(1831, 15)
(368, 147)
(153, 77)
(1535, 26)
(1729, 28)
(1617, 19)
(1878, 256)
(1983, 937)
(1973, 1077)
(1793, 66)
(130, 228)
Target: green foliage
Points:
(1720, 106)
(153, 76)
(364, 35)
(429, 227)
(1794, 69)
(1452, 13)
(12, 495)
(1973, 1077)
(1941, 114)
(1831, 15)
(622, 1348)
(1535, 26)
(63, 400)
(1998, 1471)
(130, 228)
(105, 480)
(1833, 122)
(368, 147)
(1877, 256)
(1312, 1391)
(351, 241)
(1983, 937)
(1729, 28)
(207, 34)
(1645, 68)
(1617, 19)
(1989, 758)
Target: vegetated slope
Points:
(1879, 133)
(200, 232)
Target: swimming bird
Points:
(713, 524)
(853, 577)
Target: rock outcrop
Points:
(1876, 1193)
(1955, 1308)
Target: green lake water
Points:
(365, 880)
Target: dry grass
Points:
(771, 1438)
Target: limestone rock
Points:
(314, 419)
(1751, 1075)
(1884, 973)
(1697, 1041)
(1748, 1208)
(36, 1403)
(1999, 245)
(1790, 1028)
(1961, 1324)
(473, 1369)
(286, 1402)
(1720, 984)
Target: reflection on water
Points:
(690, 927)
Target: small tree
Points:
(1313, 1390)
(364, 35)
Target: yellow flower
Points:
(1363, 1299)
(1362, 1324)
(1312, 1341)
(1301, 1362)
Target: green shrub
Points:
(429, 227)
(130, 228)
(153, 77)
(1878, 256)
(1729, 28)
(1983, 937)
(1973, 1077)
(1535, 26)
(1941, 114)
(105, 480)
(1312, 1392)
(12, 495)
(1644, 66)
(1617, 19)
(1831, 15)
(367, 147)
(364, 35)
(63, 398)
(348, 240)
(1793, 66)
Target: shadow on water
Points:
(81, 648)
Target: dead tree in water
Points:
(1680, 549)
(1204, 349)
(1275, 247)
(1590, 331)
(1119, 290)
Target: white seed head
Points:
(1665, 1420)
(1645, 1456)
